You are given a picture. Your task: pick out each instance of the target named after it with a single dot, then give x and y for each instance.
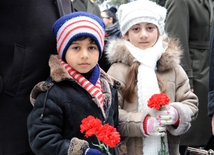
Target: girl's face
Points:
(82, 55)
(143, 35)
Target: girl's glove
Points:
(168, 115)
(153, 127)
(93, 152)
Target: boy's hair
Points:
(83, 38)
(75, 25)
(141, 11)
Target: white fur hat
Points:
(141, 11)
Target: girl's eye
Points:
(135, 28)
(150, 28)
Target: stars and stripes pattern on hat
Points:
(78, 24)
(95, 91)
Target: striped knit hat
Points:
(75, 25)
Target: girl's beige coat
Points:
(177, 87)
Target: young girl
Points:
(76, 89)
(147, 62)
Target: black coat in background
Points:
(190, 21)
(26, 41)
(211, 76)
(87, 6)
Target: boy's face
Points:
(82, 55)
(143, 35)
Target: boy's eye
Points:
(75, 48)
(92, 48)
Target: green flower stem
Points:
(163, 150)
(101, 146)
(99, 143)
(107, 149)
(164, 145)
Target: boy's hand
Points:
(93, 152)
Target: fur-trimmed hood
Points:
(58, 73)
(118, 52)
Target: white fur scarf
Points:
(148, 85)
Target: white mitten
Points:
(153, 127)
(167, 115)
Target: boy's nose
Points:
(84, 53)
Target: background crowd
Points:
(193, 31)
(27, 41)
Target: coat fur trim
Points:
(77, 146)
(40, 87)
(59, 73)
(118, 52)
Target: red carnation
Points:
(109, 135)
(157, 100)
(106, 134)
(90, 125)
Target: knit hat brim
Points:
(75, 25)
(141, 11)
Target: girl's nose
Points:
(143, 34)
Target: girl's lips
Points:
(144, 42)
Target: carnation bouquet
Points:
(157, 101)
(107, 135)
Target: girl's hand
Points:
(168, 115)
(153, 127)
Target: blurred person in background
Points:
(87, 6)
(112, 32)
(191, 22)
(26, 42)
(112, 25)
(211, 80)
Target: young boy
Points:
(76, 89)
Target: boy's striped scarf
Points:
(95, 91)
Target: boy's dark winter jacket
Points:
(64, 104)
